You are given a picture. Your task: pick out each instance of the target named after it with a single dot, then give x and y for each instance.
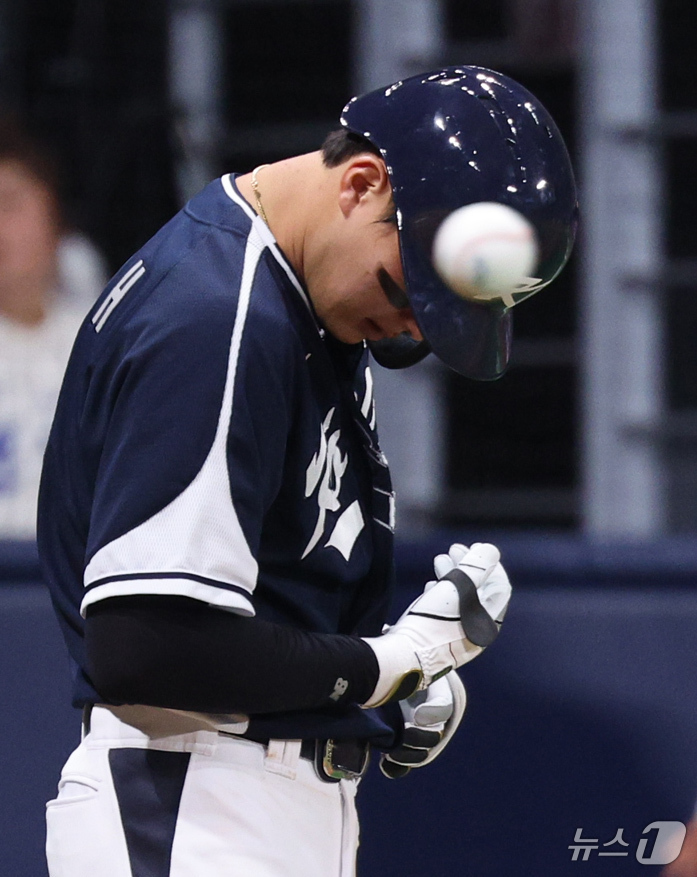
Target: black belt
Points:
(334, 760)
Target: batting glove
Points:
(447, 626)
(431, 717)
(495, 593)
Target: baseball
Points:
(485, 251)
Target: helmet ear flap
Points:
(399, 352)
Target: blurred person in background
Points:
(49, 276)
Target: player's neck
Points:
(292, 193)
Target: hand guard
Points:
(431, 717)
(447, 626)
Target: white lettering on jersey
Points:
(368, 406)
(368, 403)
(324, 475)
(119, 290)
(347, 529)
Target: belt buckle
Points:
(341, 759)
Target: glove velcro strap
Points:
(402, 688)
(407, 685)
(400, 673)
(479, 627)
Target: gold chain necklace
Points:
(257, 196)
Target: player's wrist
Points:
(400, 673)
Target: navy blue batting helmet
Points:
(453, 137)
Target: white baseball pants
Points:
(131, 804)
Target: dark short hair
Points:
(342, 144)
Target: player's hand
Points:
(494, 593)
(447, 626)
(431, 717)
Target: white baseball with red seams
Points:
(486, 251)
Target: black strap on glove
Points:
(479, 627)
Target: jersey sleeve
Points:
(180, 495)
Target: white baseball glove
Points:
(451, 623)
(431, 717)
(494, 595)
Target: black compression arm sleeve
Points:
(183, 654)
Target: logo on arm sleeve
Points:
(340, 688)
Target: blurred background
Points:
(581, 462)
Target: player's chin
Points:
(370, 331)
(366, 330)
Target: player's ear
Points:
(363, 180)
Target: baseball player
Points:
(216, 516)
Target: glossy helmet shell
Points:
(457, 136)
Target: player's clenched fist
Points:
(448, 625)
(431, 718)
(494, 593)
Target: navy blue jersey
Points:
(211, 442)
